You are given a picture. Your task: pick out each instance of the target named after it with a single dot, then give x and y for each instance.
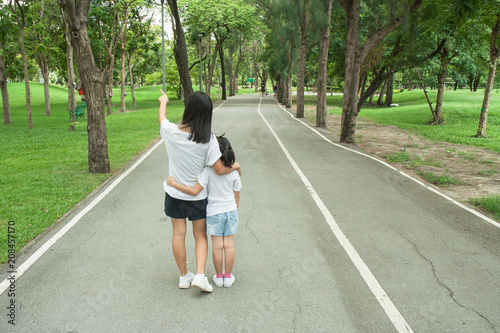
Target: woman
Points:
(190, 147)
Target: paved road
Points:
(329, 241)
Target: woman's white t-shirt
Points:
(220, 190)
(186, 159)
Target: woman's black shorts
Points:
(182, 209)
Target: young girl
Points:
(190, 147)
(222, 216)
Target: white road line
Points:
(390, 309)
(470, 210)
(4, 285)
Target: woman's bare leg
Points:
(179, 244)
(201, 244)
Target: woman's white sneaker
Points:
(185, 281)
(200, 281)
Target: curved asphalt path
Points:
(329, 241)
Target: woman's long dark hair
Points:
(198, 116)
(226, 150)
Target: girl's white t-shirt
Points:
(186, 159)
(220, 190)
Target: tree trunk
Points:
(213, 62)
(109, 95)
(71, 71)
(288, 100)
(44, 68)
(321, 108)
(230, 71)
(477, 80)
(256, 77)
(132, 89)
(380, 99)
(362, 82)
(208, 78)
(494, 54)
(180, 50)
(26, 77)
(354, 57)
(302, 59)
(237, 69)
(223, 73)
(483, 119)
(5, 94)
(110, 49)
(443, 73)
(389, 89)
(379, 78)
(123, 33)
(93, 85)
(352, 71)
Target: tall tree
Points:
(219, 18)
(19, 10)
(494, 54)
(93, 84)
(140, 41)
(180, 49)
(106, 18)
(123, 46)
(356, 52)
(455, 30)
(303, 14)
(323, 66)
(70, 68)
(281, 51)
(44, 37)
(5, 29)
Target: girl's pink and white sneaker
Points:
(219, 282)
(228, 281)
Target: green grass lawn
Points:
(44, 171)
(461, 111)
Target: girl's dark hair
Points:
(226, 150)
(198, 116)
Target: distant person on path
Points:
(190, 147)
(222, 214)
(263, 88)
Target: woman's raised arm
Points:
(162, 111)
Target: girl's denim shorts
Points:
(225, 224)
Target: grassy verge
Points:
(491, 204)
(45, 170)
(461, 111)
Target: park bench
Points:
(79, 112)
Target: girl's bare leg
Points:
(229, 253)
(201, 244)
(179, 244)
(217, 247)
